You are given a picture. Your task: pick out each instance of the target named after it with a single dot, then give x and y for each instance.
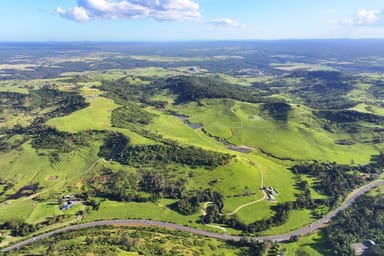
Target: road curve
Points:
(136, 222)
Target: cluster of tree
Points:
(61, 142)
(334, 180)
(107, 240)
(350, 116)
(121, 186)
(277, 110)
(12, 100)
(8, 142)
(376, 164)
(116, 147)
(5, 185)
(128, 186)
(193, 88)
(62, 102)
(362, 221)
(280, 217)
(253, 247)
(123, 92)
(377, 89)
(126, 116)
(191, 204)
(19, 228)
(323, 89)
(324, 75)
(59, 102)
(161, 184)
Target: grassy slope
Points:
(241, 123)
(302, 136)
(28, 167)
(95, 117)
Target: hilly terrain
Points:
(258, 142)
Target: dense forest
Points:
(363, 221)
(117, 147)
(130, 115)
(140, 186)
(314, 85)
(348, 116)
(195, 88)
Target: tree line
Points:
(117, 147)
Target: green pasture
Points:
(296, 219)
(278, 176)
(5, 87)
(155, 211)
(307, 245)
(24, 167)
(43, 210)
(216, 116)
(301, 138)
(231, 181)
(374, 109)
(173, 128)
(377, 191)
(255, 212)
(312, 183)
(18, 212)
(95, 117)
(27, 167)
(12, 118)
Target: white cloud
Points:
(226, 23)
(332, 12)
(77, 13)
(365, 18)
(162, 10)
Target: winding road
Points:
(136, 222)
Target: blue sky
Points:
(142, 20)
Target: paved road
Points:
(133, 222)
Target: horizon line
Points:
(190, 40)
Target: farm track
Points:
(238, 208)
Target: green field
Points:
(151, 135)
(95, 117)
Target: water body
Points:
(242, 149)
(191, 125)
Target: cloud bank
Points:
(161, 10)
(365, 18)
(226, 23)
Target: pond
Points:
(242, 149)
(191, 125)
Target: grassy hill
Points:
(161, 143)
